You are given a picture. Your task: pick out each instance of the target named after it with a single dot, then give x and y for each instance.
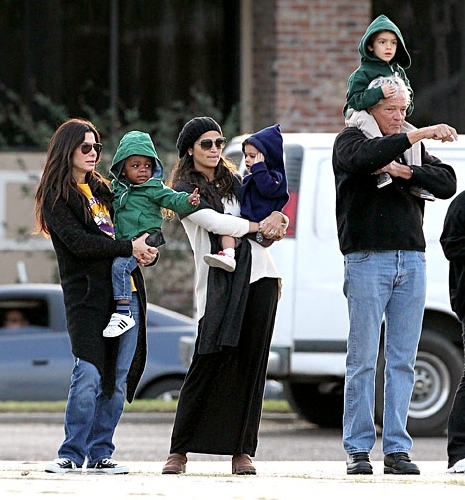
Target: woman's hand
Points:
(274, 226)
(144, 254)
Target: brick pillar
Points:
(304, 51)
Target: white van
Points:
(309, 343)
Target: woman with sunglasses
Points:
(219, 407)
(73, 207)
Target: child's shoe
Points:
(383, 179)
(119, 323)
(220, 260)
(422, 193)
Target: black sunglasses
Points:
(207, 144)
(86, 147)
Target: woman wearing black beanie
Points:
(220, 403)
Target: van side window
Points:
(325, 201)
(293, 158)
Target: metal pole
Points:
(246, 76)
(114, 28)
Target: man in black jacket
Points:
(381, 237)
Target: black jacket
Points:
(85, 255)
(227, 293)
(453, 244)
(390, 218)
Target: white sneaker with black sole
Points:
(119, 323)
(62, 466)
(107, 466)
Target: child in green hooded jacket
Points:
(383, 53)
(139, 196)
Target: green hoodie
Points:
(137, 207)
(358, 96)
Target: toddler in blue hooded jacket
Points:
(264, 189)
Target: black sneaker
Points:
(383, 180)
(359, 463)
(62, 465)
(108, 466)
(399, 463)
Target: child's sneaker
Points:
(422, 193)
(220, 260)
(119, 323)
(383, 179)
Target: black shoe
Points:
(399, 463)
(359, 463)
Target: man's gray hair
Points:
(391, 80)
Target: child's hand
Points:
(194, 198)
(388, 90)
(259, 157)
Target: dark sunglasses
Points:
(86, 147)
(207, 144)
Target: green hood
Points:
(382, 23)
(135, 143)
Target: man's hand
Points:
(441, 132)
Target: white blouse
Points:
(197, 226)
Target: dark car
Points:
(35, 352)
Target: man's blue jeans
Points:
(392, 283)
(91, 417)
(121, 277)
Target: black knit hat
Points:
(192, 130)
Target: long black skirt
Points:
(220, 403)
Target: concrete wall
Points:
(22, 254)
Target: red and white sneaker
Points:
(220, 260)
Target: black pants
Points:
(220, 403)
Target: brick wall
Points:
(306, 61)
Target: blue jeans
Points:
(91, 417)
(121, 277)
(392, 283)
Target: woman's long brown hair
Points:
(57, 179)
